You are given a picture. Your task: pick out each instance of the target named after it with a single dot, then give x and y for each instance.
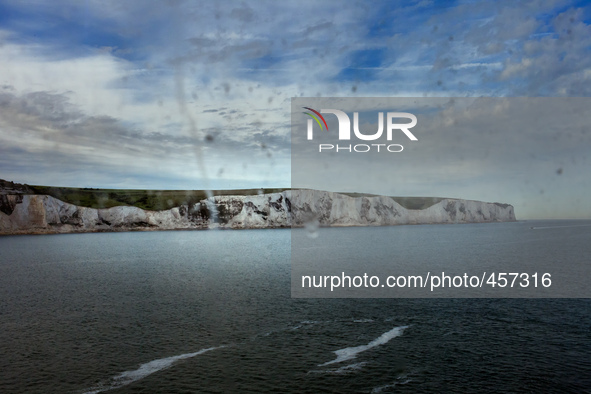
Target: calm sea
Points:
(211, 312)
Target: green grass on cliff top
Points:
(157, 200)
(153, 200)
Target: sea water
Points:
(211, 311)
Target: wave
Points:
(127, 377)
(351, 368)
(403, 380)
(291, 328)
(352, 352)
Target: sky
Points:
(196, 94)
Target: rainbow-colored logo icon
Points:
(316, 118)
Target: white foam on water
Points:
(292, 328)
(127, 377)
(269, 333)
(352, 352)
(403, 380)
(305, 323)
(351, 368)
(363, 321)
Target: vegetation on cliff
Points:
(158, 200)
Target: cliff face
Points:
(334, 209)
(31, 214)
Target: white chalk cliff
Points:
(41, 214)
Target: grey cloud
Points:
(225, 51)
(52, 118)
(318, 27)
(50, 107)
(202, 42)
(243, 13)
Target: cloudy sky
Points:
(196, 94)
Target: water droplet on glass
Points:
(312, 228)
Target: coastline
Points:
(43, 214)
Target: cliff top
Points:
(7, 187)
(157, 200)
